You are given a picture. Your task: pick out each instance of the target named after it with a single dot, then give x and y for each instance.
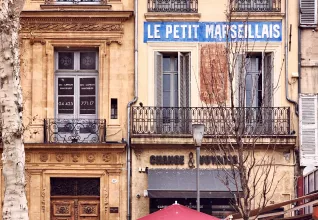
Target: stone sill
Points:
(257, 15)
(164, 16)
(60, 7)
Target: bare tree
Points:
(237, 87)
(13, 156)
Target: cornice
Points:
(87, 14)
(55, 21)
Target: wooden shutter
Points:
(184, 74)
(267, 80)
(158, 78)
(308, 130)
(239, 79)
(308, 13)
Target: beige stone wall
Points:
(141, 159)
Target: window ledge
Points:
(162, 16)
(76, 7)
(257, 15)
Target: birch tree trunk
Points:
(13, 156)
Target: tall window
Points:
(172, 74)
(76, 80)
(172, 91)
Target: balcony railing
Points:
(256, 5)
(76, 2)
(74, 130)
(178, 6)
(171, 121)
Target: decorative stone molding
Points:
(105, 200)
(59, 157)
(71, 26)
(27, 158)
(90, 157)
(138, 153)
(107, 157)
(43, 200)
(44, 157)
(75, 157)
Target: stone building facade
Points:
(76, 69)
(179, 43)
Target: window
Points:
(76, 80)
(254, 91)
(172, 88)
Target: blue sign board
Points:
(254, 31)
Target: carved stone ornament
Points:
(28, 158)
(107, 157)
(90, 157)
(75, 157)
(59, 157)
(44, 157)
(70, 26)
(105, 200)
(43, 200)
(138, 153)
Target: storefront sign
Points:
(253, 31)
(204, 160)
(166, 160)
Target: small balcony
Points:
(75, 2)
(256, 5)
(218, 121)
(173, 6)
(74, 131)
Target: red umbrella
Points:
(178, 212)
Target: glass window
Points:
(66, 60)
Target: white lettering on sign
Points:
(213, 31)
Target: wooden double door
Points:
(75, 208)
(75, 198)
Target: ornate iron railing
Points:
(256, 5)
(178, 6)
(74, 130)
(217, 120)
(49, 2)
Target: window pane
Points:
(66, 60)
(87, 105)
(166, 63)
(166, 99)
(66, 105)
(87, 86)
(65, 86)
(166, 82)
(88, 60)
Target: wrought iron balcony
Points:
(221, 121)
(76, 2)
(177, 6)
(74, 130)
(256, 5)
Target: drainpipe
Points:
(128, 112)
(286, 59)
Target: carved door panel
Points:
(62, 209)
(75, 209)
(88, 210)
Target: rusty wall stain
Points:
(213, 73)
